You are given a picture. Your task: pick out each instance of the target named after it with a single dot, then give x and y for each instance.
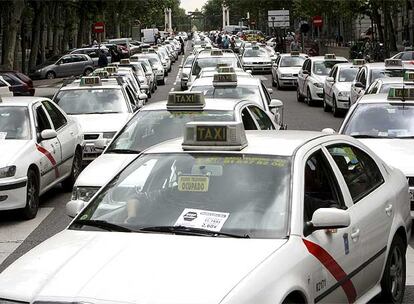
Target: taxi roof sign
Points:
(90, 81)
(408, 76)
(125, 61)
(101, 73)
(293, 53)
(401, 93)
(216, 52)
(358, 61)
(224, 79)
(330, 56)
(185, 101)
(208, 47)
(393, 62)
(255, 47)
(226, 69)
(111, 69)
(203, 135)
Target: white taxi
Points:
(286, 68)
(161, 121)
(40, 146)
(101, 108)
(256, 59)
(383, 85)
(312, 218)
(385, 123)
(185, 71)
(312, 76)
(337, 87)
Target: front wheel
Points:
(393, 278)
(299, 96)
(335, 111)
(87, 71)
(75, 171)
(309, 99)
(32, 196)
(50, 75)
(326, 107)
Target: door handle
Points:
(53, 148)
(355, 235)
(388, 209)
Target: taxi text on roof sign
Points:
(409, 76)
(226, 69)
(294, 53)
(214, 136)
(401, 93)
(358, 61)
(224, 78)
(125, 61)
(393, 62)
(185, 100)
(216, 53)
(111, 69)
(90, 81)
(101, 73)
(330, 56)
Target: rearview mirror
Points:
(74, 207)
(180, 66)
(48, 134)
(148, 74)
(276, 107)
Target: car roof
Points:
(337, 58)
(381, 98)
(218, 104)
(241, 80)
(207, 54)
(289, 55)
(392, 80)
(21, 100)
(347, 65)
(75, 85)
(281, 143)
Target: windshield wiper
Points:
(366, 136)
(123, 151)
(103, 225)
(189, 230)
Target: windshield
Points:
(292, 61)
(92, 101)
(347, 74)
(382, 121)
(247, 92)
(323, 68)
(192, 190)
(386, 86)
(14, 123)
(148, 128)
(382, 73)
(255, 53)
(213, 62)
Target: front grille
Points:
(411, 181)
(295, 75)
(90, 136)
(320, 95)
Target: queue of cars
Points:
(205, 197)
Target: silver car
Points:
(67, 65)
(93, 52)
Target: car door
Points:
(355, 91)
(302, 77)
(248, 122)
(336, 255)
(66, 134)
(371, 211)
(329, 85)
(49, 149)
(262, 119)
(79, 64)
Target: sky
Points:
(191, 5)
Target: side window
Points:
(3, 84)
(359, 170)
(262, 118)
(66, 59)
(406, 56)
(130, 96)
(58, 119)
(332, 73)
(266, 92)
(305, 65)
(42, 120)
(363, 77)
(375, 88)
(321, 189)
(248, 121)
(10, 80)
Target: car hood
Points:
(186, 70)
(99, 123)
(289, 70)
(344, 86)
(10, 150)
(103, 169)
(398, 153)
(145, 268)
(319, 78)
(256, 59)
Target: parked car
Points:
(21, 85)
(5, 88)
(93, 52)
(67, 65)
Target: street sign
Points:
(99, 27)
(278, 18)
(317, 21)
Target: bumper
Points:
(343, 104)
(13, 194)
(259, 68)
(288, 82)
(317, 93)
(160, 77)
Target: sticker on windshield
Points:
(203, 219)
(193, 183)
(3, 135)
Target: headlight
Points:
(343, 94)
(318, 85)
(84, 193)
(7, 171)
(286, 75)
(108, 135)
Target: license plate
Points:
(89, 149)
(412, 195)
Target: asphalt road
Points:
(16, 238)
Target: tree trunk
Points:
(81, 26)
(56, 28)
(377, 18)
(42, 45)
(391, 32)
(36, 30)
(23, 45)
(16, 10)
(65, 40)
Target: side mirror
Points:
(100, 144)
(275, 104)
(48, 134)
(142, 96)
(305, 72)
(144, 87)
(329, 131)
(359, 85)
(270, 91)
(328, 218)
(148, 74)
(74, 207)
(330, 79)
(180, 66)
(249, 71)
(276, 107)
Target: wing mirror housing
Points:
(276, 107)
(271, 92)
(329, 131)
(328, 218)
(359, 85)
(101, 144)
(48, 134)
(142, 96)
(330, 79)
(305, 72)
(74, 207)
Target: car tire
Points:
(87, 71)
(162, 82)
(326, 107)
(50, 75)
(68, 183)
(335, 111)
(309, 99)
(273, 82)
(32, 196)
(393, 278)
(278, 84)
(299, 97)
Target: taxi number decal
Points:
(212, 133)
(193, 183)
(184, 99)
(203, 219)
(89, 81)
(3, 135)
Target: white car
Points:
(233, 217)
(158, 122)
(5, 88)
(185, 71)
(385, 123)
(286, 68)
(101, 108)
(40, 146)
(337, 88)
(256, 59)
(383, 85)
(156, 66)
(405, 56)
(312, 75)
